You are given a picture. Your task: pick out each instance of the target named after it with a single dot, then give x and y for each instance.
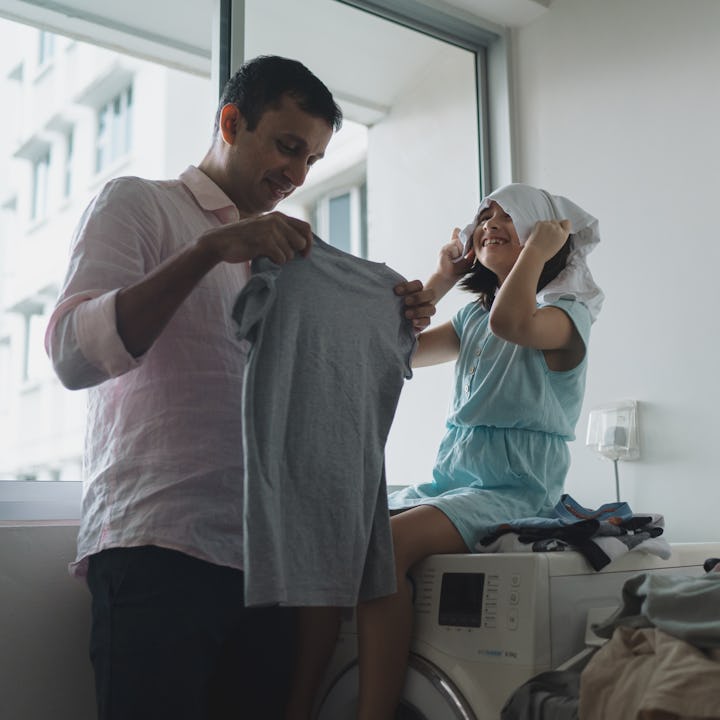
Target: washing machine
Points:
(486, 623)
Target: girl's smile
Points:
(495, 240)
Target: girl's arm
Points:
(449, 270)
(420, 300)
(451, 267)
(438, 345)
(515, 316)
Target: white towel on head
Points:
(526, 205)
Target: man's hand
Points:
(419, 306)
(275, 236)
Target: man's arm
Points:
(117, 247)
(144, 308)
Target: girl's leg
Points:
(385, 624)
(317, 632)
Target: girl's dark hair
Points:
(484, 282)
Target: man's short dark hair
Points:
(261, 83)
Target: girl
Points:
(520, 352)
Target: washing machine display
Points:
(461, 596)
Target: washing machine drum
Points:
(428, 695)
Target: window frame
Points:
(490, 44)
(58, 501)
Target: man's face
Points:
(266, 164)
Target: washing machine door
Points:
(428, 695)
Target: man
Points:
(144, 321)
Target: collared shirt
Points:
(163, 450)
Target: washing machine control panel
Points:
(487, 609)
(461, 599)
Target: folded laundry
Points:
(682, 606)
(600, 535)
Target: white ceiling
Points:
(176, 32)
(328, 36)
(383, 61)
(184, 25)
(509, 13)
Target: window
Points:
(339, 220)
(68, 174)
(46, 47)
(35, 366)
(414, 79)
(5, 371)
(79, 120)
(394, 178)
(40, 172)
(114, 129)
(340, 229)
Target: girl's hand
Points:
(548, 236)
(451, 264)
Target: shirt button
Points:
(467, 388)
(477, 353)
(472, 370)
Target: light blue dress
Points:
(504, 454)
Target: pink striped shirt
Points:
(163, 451)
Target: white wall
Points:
(422, 177)
(617, 107)
(45, 671)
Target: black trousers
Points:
(171, 638)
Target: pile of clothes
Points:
(660, 661)
(600, 535)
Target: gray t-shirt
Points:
(330, 349)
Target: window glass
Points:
(46, 47)
(338, 218)
(407, 157)
(97, 110)
(411, 139)
(339, 222)
(67, 185)
(114, 135)
(41, 168)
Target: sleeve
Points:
(460, 318)
(255, 299)
(115, 245)
(578, 313)
(83, 343)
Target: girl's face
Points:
(496, 241)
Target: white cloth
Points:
(526, 205)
